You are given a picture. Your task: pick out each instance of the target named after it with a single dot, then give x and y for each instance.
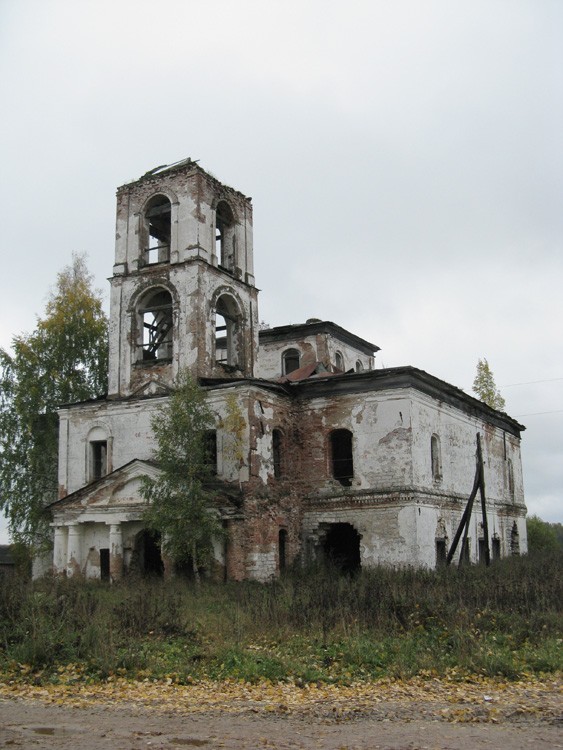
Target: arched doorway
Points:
(147, 559)
(341, 547)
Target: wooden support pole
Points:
(464, 523)
(481, 471)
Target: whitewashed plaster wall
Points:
(457, 433)
(270, 354)
(127, 425)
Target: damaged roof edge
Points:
(407, 377)
(184, 164)
(290, 332)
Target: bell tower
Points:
(182, 291)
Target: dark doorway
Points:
(341, 547)
(441, 552)
(104, 564)
(146, 557)
(483, 551)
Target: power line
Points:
(537, 413)
(532, 382)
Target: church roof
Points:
(312, 327)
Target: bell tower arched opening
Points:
(225, 249)
(228, 343)
(158, 230)
(183, 293)
(155, 323)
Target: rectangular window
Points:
(496, 549)
(99, 454)
(342, 458)
(210, 451)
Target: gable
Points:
(120, 489)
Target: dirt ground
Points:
(167, 717)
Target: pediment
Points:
(120, 489)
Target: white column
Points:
(60, 549)
(74, 550)
(115, 551)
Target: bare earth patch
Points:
(432, 713)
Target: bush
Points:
(312, 624)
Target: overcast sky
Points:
(405, 161)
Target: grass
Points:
(311, 625)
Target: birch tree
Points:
(62, 361)
(180, 507)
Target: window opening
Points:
(436, 457)
(441, 552)
(496, 548)
(99, 455)
(158, 219)
(104, 564)
(341, 455)
(282, 544)
(339, 361)
(359, 366)
(225, 331)
(157, 326)
(210, 450)
(221, 348)
(290, 361)
(225, 236)
(276, 452)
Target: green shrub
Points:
(311, 624)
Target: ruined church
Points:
(316, 451)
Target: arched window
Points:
(155, 322)
(225, 236)
(441, 552)
(277, 452)
(339, 361)
(290, 361)
(157, 230)
(98, 459)
(227, 344)
(436, 457)
(341, 456)
(359, 366)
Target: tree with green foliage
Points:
(62, 361)
(180, 507)
(484, 386)
(542, 536)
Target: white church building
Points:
(317, 452)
